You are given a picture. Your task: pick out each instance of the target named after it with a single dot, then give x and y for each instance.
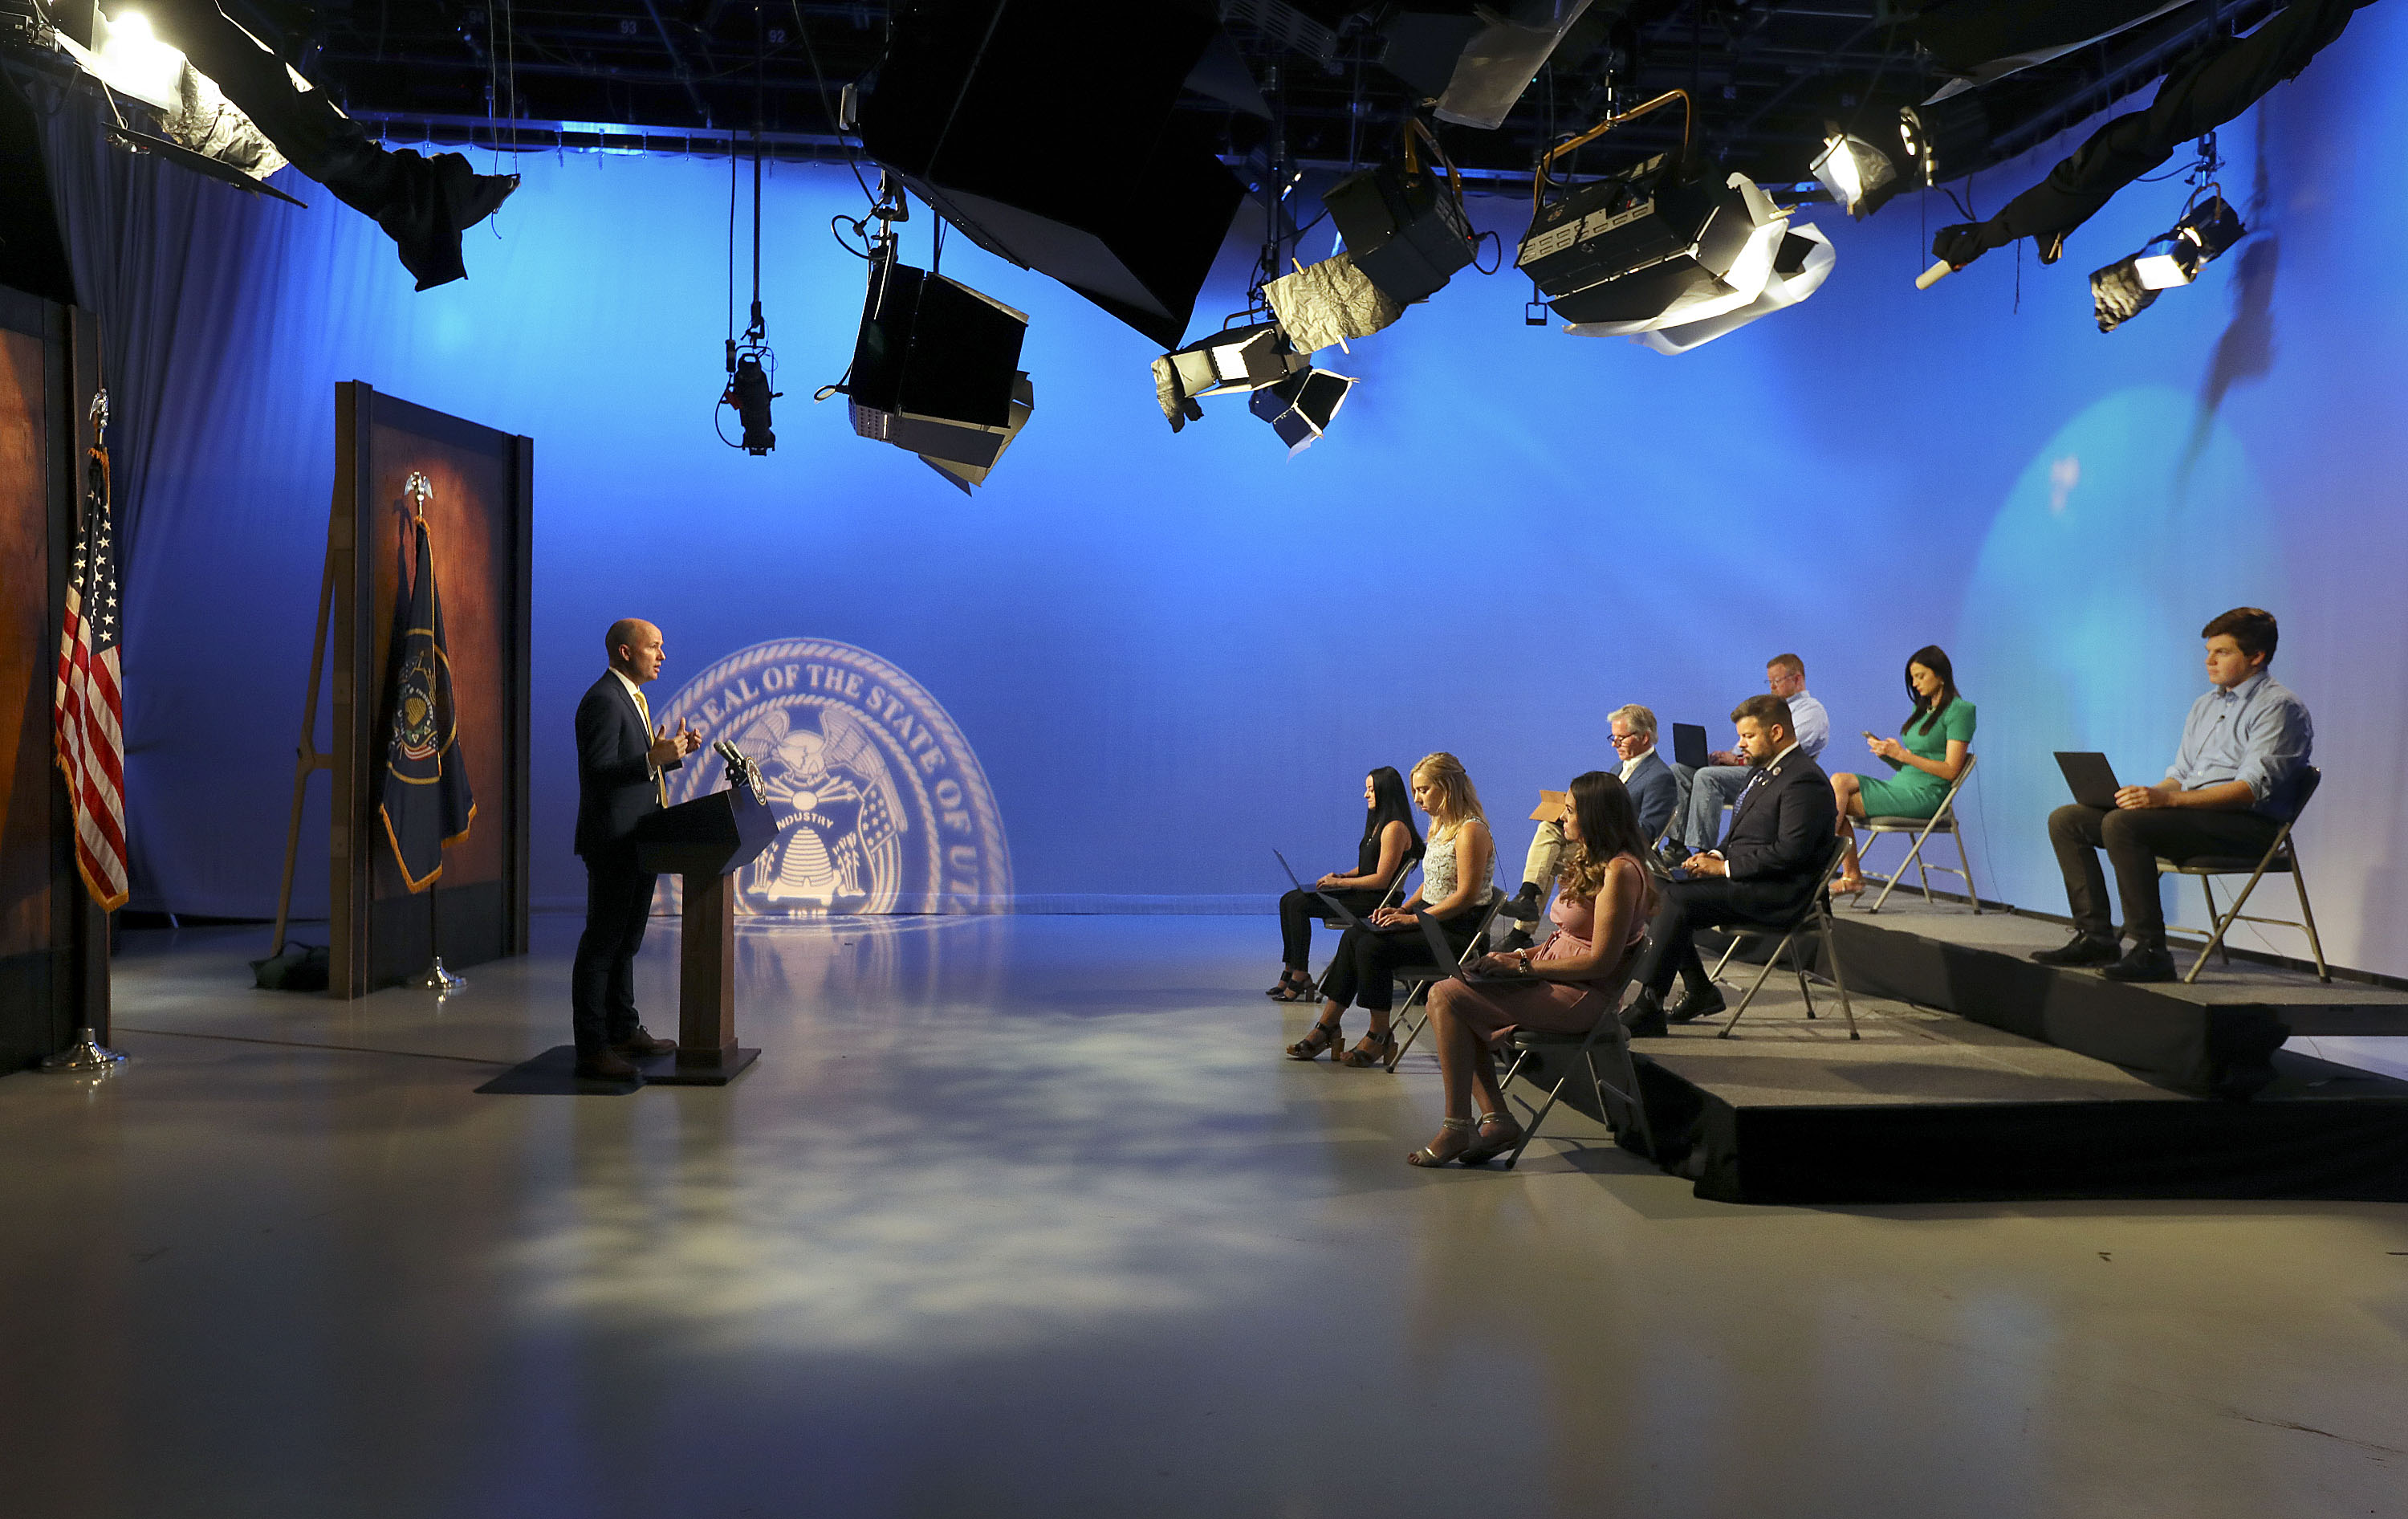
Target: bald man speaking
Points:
(621, 759)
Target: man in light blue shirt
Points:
(2233, 784)
(1698, 823)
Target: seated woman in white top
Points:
(1456, 891)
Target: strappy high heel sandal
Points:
(1428, 1157)
(1377, 1049)
(1295, 986)
(1487, 1147)
(1324, 1035)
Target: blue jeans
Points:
(1711, 790)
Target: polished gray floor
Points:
(1026, 1216)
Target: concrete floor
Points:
(1027, 1216)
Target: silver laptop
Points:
(2090, 778)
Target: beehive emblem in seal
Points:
(883, 806)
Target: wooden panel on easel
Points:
(479, 514)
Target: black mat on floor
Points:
(553, 1074)
(1839, 1133)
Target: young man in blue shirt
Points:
(2230, 789)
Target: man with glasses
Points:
(1653, 793)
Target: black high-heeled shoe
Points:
(1324, 1035)
(1377, 1049)
(1295, 986)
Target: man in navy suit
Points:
(621, 758)
(1782, 833)
(1653, 789)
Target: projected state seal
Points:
(883, 806)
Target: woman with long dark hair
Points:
(1574, 980)
(1390, 845)
(1928, 755)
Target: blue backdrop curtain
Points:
(1173, 652)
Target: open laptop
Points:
(1336, 908)
(1443, 953)
(1689, 746)
(2090, 778)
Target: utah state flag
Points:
(422, 796)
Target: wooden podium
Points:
(706, 841)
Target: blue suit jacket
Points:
(1653, 791)
(615, 788)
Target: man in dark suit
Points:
(1654, 791)
(1783, 833)
(621, 758)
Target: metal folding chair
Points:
(1424, 977)
(1943, 821)
(1331, 920)
(2281, 857)
(1817, 914)
(1612, 1038)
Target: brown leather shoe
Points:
(640, 1045)
(605, 1066)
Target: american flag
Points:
(89, 707)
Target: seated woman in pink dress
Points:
(1575, 977)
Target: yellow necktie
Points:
(644, 710)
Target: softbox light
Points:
(936, 369)
(1045, 130)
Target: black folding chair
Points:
(1611, 1037)
(1422, 978)
(1332, 921)
(1815, 913)
(2281, 857)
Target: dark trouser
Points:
(1298, 910)
(1687, 906)
(602, 980)
(2134, 838)
(1366, 963)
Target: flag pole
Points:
(87, 1055)
(438, 980)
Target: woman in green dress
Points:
(1928, 755)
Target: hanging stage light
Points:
(1802, 263)
(1860, 177)
(1653, 246)
(1669, 241)
(1301, 406)
(1945, 138)
(2202, 236)
(2126, 288)
(935, 370)
(1233, 359)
